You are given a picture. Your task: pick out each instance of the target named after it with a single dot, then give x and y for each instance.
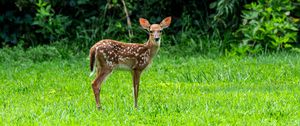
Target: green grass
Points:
(262, 90)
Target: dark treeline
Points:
(201, 24)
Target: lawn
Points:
(195, 90)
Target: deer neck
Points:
(153, 46)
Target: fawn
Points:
(107, 55)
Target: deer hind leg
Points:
(96, 85)
(136, 81)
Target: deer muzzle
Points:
(156, 36)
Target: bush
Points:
(43, 53)
(50, 26)
(36, 54)
(266, 26)
(41, 22)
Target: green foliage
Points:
(51, 26)
(94, 28)
(266, 26)
(224, 10)
(262, 90)
(12, 23)
(43, 53)
(18, 54)
(197, 26)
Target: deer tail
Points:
(92, 60)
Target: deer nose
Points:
(156, 39)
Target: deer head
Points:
(155, 29)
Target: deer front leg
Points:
(136, 81)
(97, 84)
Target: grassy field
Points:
(262, 90)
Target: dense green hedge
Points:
(199, 25)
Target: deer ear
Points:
(166, 22)
(144, 23)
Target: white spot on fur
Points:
(104, 55)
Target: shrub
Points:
(266, 26)
(50, 26)
(34, 54)
(43, 53)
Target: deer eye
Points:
(151, 32)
